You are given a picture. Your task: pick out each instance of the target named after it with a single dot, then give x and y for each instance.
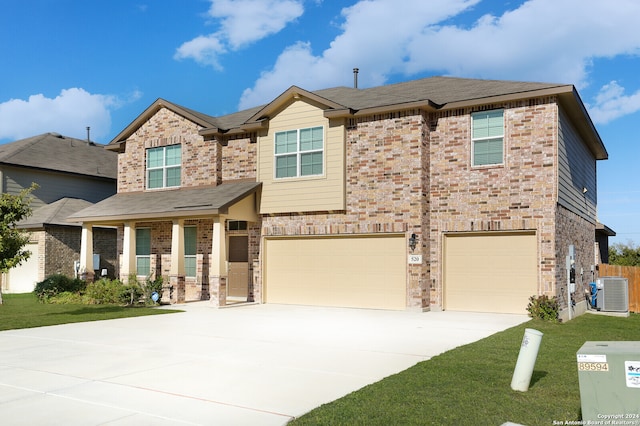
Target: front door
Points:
(238, 281)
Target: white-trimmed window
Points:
(299, 153)
(190, 247)
(163, 166)
(143, 251)
(487, 133)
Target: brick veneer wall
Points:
(62, 248)
(239, 158)
(105, 244)
(519, 195)
(573, 229)
(385, 191)
(201, 162)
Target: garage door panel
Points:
(351, 272)
(23, 278)
(490, 272)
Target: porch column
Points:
(218, 268)
(86, 253)
(128, 251)
(176, 271)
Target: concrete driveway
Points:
(248, 365)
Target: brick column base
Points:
(88, 276)
(218, 291)
(176, 291)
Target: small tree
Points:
(14, 208)
(624, 254)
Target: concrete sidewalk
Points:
(248, 365)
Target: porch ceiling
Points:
(170, 203)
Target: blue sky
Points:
(69, 64)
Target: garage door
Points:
(363, 272)
(490, 272)
(23, 278)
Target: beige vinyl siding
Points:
(490, 272)
(54, 186)
(308, 193)
(576, 170)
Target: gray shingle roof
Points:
(440, 90)
(55, 213)
(51, 151)
(182, 202)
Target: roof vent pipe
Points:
(88, 135)
(355, 78)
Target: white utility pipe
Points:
(526, 360)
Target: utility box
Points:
(609, 376)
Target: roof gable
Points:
(292, 93)
(203, 120)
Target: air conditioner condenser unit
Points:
(613, 294)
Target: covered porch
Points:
(201, 240)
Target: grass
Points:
(470, 385)
(25, 311)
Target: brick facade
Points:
(60, 247)
(407, 172)
(239, 158)
(572, 229)
(519, 195)
(201, 161)
(384, 191)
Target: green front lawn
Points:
(25, 311)
(471, 385)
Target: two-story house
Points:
(71, 175)
(440, 193)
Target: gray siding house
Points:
(71, 174)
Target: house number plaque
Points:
(415, 259)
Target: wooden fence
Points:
(632, 273)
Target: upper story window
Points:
(299, 153)
(487, 137)
(163, 166)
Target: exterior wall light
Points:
(412, 242)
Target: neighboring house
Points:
(71, 174)
(603, 232)
(440, 193)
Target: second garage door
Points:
(490, 272)
(361, 272)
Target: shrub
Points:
(544, 308)
(131, 293)
(67, 298)
(106, 291)
(152, 286)
(147, 288)
(58, 283)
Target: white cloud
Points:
(246, 21)
(611, 103)
(539, 40)
(374, 38)
(242, 22)
(203, 49)
(69, 114)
